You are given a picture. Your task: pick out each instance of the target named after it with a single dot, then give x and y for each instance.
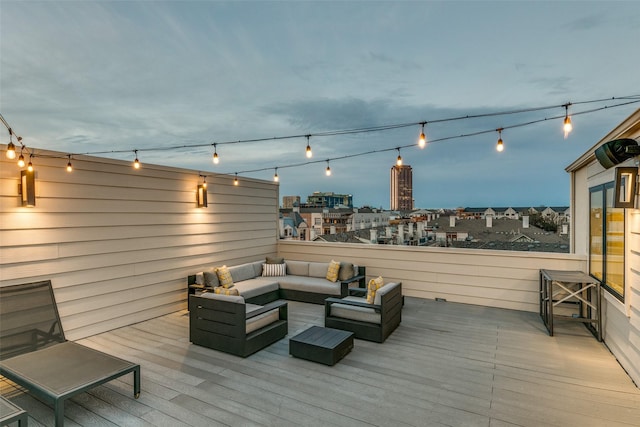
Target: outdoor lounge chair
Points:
(35, 354)
(371, 322)
(227, 323)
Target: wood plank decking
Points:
(446, 365)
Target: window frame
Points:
(606, 210)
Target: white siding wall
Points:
(118, 243)
(621, 328)
(505, 279)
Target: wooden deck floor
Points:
(447, 364)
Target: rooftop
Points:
(447, 364)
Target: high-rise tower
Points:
(401, 188)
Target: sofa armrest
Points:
(357, 292)
(191, 279)
(280, 304)
(330, 301)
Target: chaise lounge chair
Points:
(35, 354)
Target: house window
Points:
(606, 240)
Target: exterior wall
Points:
(118, 243)
(484, 277)
(621, 327)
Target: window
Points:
(606, 239)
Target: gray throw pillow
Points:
(346, 271)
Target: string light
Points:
(21, 160)
(235, 181)
(568, 127)
(204, 181)
(69, 165)
(328, 170)
(500, 145)
(620, 101)
(422, 141)
(136, 162)
(216, 159)
(11, 149)
(276, 178)
(309, 152)
(30, 165)
(399, 159)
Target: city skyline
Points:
(115, 77)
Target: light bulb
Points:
(276, 178)
(136, 163)
(235, 181)
(69, 166)
(422, 141)
(328, 171)
(21, 161)
(11, 151)
(568, 127)
(399, 160)
(30, 167)
(309, 152)
(500, 145)
(216, 160)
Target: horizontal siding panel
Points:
(16, 237)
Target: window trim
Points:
(603, 189)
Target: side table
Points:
(559, 287)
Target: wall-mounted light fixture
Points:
(626, 183)
(27, 188)
(201, 194)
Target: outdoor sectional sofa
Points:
(304, 281)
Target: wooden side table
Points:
(561, 288)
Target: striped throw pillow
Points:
(274, 270)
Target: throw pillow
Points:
(274, 270)
(332, 271)
(225, 291)
(346, 271)
(224, 276)
(372, 287)
(274, 260)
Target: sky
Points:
(104, 76)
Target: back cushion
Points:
(257, 268)
(318, 269)
(382, 291)
(242, 272)
(210, 279)
(299, 268)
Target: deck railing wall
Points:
(506, 279)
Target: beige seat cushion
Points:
(363, 314)
(260, 320)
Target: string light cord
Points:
(446, 138)
(370, 129)
(630, 99)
